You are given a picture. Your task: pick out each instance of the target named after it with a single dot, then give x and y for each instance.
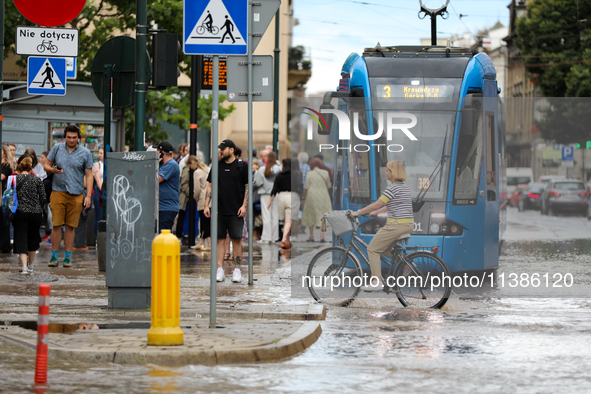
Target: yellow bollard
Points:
(166, 291)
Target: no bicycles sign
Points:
(45, 41)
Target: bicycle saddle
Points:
(403, 239)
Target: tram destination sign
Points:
(46, 41)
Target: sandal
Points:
(311, 239)
(228, 256)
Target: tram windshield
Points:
(433, 103)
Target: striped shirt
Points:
(398, 200)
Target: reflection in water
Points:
(166, 379)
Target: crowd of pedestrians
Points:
(58, 187)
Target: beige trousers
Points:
(382, 244)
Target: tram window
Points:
(469, 160)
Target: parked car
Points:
(515, 195)
(550, 178)
(531, 197)
(565, 195)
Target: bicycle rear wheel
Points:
(422, 290)
(331, 276)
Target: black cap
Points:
(227, 144)
(165, 147)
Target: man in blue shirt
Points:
(73, 163)
(170, 184)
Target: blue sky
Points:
(332, 29)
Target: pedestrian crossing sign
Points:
(46, 75)
(215, 27)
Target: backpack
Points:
(9, 201)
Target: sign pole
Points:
(276, 52)
(195, 87)
(107, 92)
(141, 84)
(1, 65)
(249, 209)
(214, 186)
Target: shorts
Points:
(65, 208)
(288, 204)
(230, 224)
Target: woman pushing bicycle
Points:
(397, 201)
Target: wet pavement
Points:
(504, 340)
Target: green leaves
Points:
(555, 44)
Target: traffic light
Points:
(165, 60)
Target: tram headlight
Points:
(440, 225)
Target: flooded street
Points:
(503, 340)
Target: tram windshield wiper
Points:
(437, 170)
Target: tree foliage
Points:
(555, 42)
(104, 19)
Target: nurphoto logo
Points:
(393, 121)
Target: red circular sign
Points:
(50, 13)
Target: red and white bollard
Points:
(42, 334)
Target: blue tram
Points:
(436, 109)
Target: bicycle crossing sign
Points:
(215, 27)
(46, 75)
(45, 41)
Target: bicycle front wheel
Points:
(334, 276)
(419, 280)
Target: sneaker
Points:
(236, 275)
(67, 262)
(293, 239)
(30, 268)
(52, 262)
(48, 241)
(82, 248)
(45, 237)
(369, 287)
(25, 271)
(220, 275)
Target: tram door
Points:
(491, 211)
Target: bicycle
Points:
(45, 44)
(335, 274)
(203, 28)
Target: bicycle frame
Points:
(399, 254)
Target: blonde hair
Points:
(396, 167)
(8, 156)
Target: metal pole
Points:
(276, 52)
(107, 92)
(249, 209)
(1, 65)
(433, 29)
(141, 85)
(195, 85)
(214, 189)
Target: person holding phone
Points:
(70, 163)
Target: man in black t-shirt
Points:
(232, 204)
